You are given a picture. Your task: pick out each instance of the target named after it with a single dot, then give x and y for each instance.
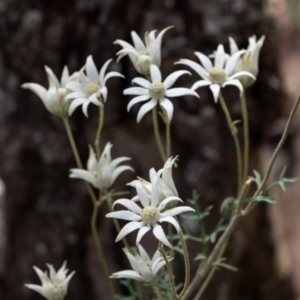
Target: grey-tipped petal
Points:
(176, 211)
(137, 41)
(168, 107)
(163, 203)
(206, 62)
(142, 194)
(200, 83)
(137, 100)
(142, 82)
(77, 102)
(231, 63)
(117, 171)
(172, 221)
(178, 92)
(215, 88)
(136, 91)
(170, 80)
(124, 215)
(91, 69)
(220, 57)
(102, 72)
(236, 83)
(127, 274)
(155, 73)
(196, 67)
(129, 204)
(145, 108)
(141, 233)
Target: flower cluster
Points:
(54, 286)
(154, 210)
(144, 268)
(102, 173)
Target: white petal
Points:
(160, 235)
(118, 160)
(85, 107)
(142, 194)
(136, 91)
(176, 211)
(200, 83)
(196, 67)
(233, 46)
(235, 82)
(145, 108)
(242, 73)
(144, 255)
(155, 73)
(129, 204)
(75, 86)
(142, 82)
(168, 107)
(157, 266)
(118, 171)
(220, 57)
(124, 215)
(102, 93)
(215, 88)
(91, 69)
(138, 43)
(84, 175)
(231, 63)
(102, 72)
(154, 191)
(127, 274)
(207, 64)
(51, 77)
(169, 81)
(128, 228)
(177, 92)
(137, 100)
(111, 74)
(75, 104)
(163, 204)
(75, 95)
(141, 233)
(172, 221)
(39, 90)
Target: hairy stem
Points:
(186, 264)
(157, 134)
(77, 158)
(157, 293)
(99, 130)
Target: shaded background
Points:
(46, 215)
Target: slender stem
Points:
(221, 244)
(157, 293)
(161, 250)
(168, 139)
(100, 252)
(186, 264)
(246, 135)
(99, 130)
(233, 132)
(116, 221)
(77, 157)
(274, 156)
(157, 134)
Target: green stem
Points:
(186, 264)
(157, 293)
(77, 157)
(233, 131)
(168, 139)
(157, 134)
(99, 130)
(274, 156)
(100, 252)
(246, 136)
(169, 269)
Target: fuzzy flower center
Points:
(150, 215)
(144, 52)
(217, 75)
(91, 88)
(157, 90)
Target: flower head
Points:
(249, 60)
(150, 215)
(101, 173)
(141, 54)
(156, 91)
(144, 268)
(218, 75)
(54, 287)
(54, 98)
(91, 86)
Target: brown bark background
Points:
(46, 214)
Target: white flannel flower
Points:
(157, 91)
(54, 287)
(140, 54)
(144, 268)
(102, 173)
(54, 98)
(249, 60)
(150, 215)
(91, 86)
(218, 75)
(165, 184)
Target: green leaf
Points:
(262, 198)
(257, 178)
(220, 263)
(228, 204)
(200, 256)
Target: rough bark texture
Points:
(47, 215)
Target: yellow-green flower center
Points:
(217, 75)
(144, 52)
(91, 88)
(150, 215)
(157, 90)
